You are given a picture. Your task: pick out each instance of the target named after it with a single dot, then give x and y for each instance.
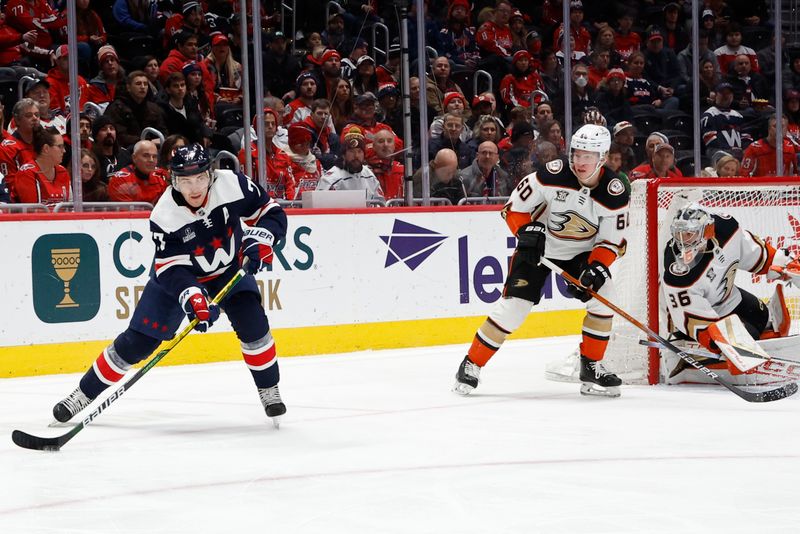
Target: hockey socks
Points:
(107, 370)
(487, 341)
(596, 332)
(260, 357)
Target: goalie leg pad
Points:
(779, 314)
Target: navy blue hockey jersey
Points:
(200, 245)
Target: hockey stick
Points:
(708, 354)
(28, 441)
(750, 396)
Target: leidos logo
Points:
(410, 244)
(66, 278)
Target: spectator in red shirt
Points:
(280, 181)
(517, 87)
(626, 41)
(663, 164)
(91, 32)
(381, 159)
(185, 52)
(103, 88)
(44, 180)
(39, 91)
(760, 158)
(583, 39)
(300, 108)
(58, 78)
(305, 168)
(37, 16)
(494, 36)
(139, 181)
(17, 148)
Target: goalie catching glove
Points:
(196, 305)
(594, 276)
(530, 246)
(784, 268)
(257, 245)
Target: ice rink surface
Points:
(375, 442)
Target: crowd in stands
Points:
(154, 75)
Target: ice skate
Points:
(595, 380)
(74, 403)
(467, 377)
(273, 405)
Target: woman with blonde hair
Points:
(227, 72)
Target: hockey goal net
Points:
(770, 208)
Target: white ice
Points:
(375, 442)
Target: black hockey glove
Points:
(530, 245)
(593, 276)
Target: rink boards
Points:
(343, 281)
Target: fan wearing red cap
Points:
(227, 72)
(517, 87)
(279, 179)
(456, 40)
(305, 167)
(58, 78)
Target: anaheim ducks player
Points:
(700, 264)
(579, 209)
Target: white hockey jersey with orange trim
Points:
(705, 292)
(578, 219)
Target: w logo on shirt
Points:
(410, 244)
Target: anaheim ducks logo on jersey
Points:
(571, 225)
(730, 277)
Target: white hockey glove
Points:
(784, 268)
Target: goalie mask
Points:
(190, 165)
(589, 138)
(691, 228)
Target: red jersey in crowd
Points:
(14, 152)
(583, 39)
(280, 182)
(39, 17)
(645, 171)
(494, 39)
(59, 91)
(175, 62)
(128, 185)
(516, 90)
(10, 40)
(625, 45)
(390, 175)
(726, 56)
(306, 171)
(33, 187)
(295, 111)
(759, 159)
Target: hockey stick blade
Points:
(37, 443)
(750, 396)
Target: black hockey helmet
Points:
(190, 160)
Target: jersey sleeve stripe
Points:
(166, 263)
(255, 217)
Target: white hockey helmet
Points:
(591, 138)
(691, 228)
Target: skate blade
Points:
(276, 421)
(462, 389)
(593, 390)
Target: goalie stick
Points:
(750, 396)
(29, 441)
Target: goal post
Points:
(768, 207)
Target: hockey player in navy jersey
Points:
(203, 227)
(579, 209)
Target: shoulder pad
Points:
(725, 227)
(675, 277)
(611, 191)
(557, 174)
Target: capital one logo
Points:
(410, 244)
(65, 270)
